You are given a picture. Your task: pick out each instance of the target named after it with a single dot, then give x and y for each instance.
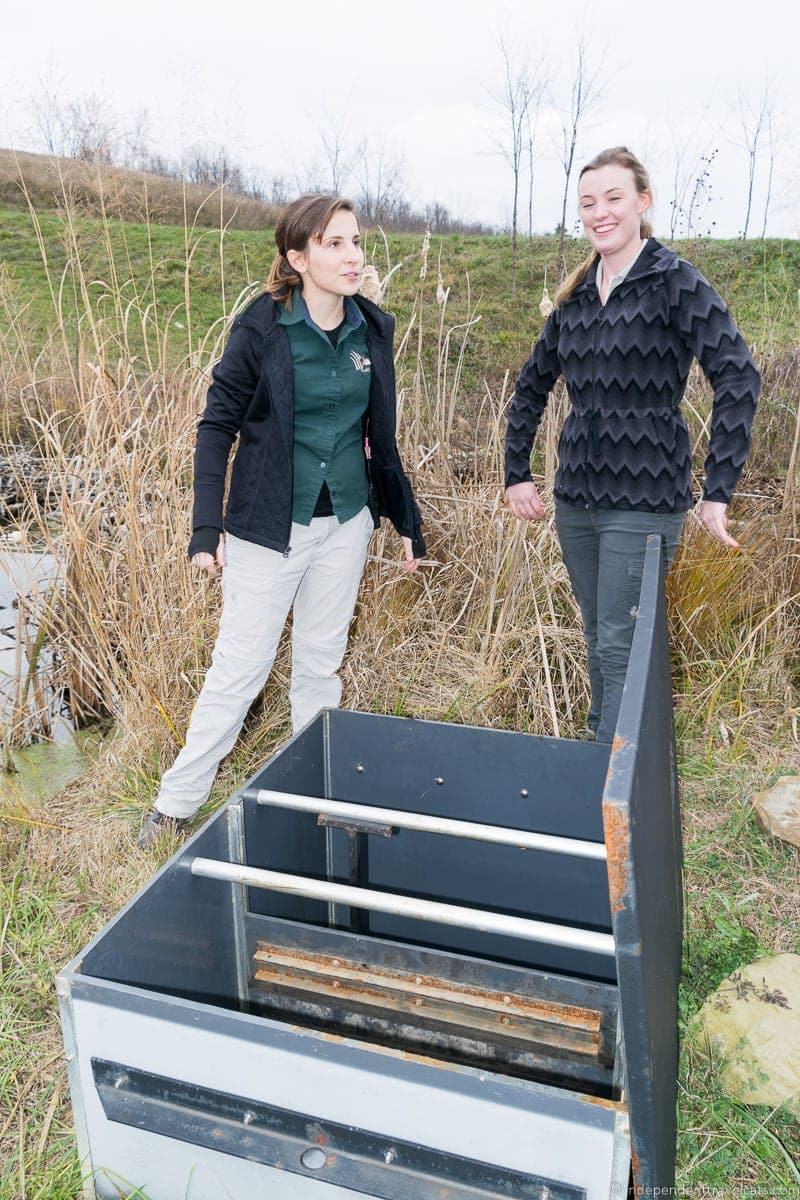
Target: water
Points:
(40, 770)
(28, 698)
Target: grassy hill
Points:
(758, 279)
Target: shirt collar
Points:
(620, 275)
(299, 312)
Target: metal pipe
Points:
(524, 839)
(407, 906)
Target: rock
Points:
(778, 809)
(752, 1025)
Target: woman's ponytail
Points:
(282, 280)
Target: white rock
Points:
(752, 1026)
(778, 809)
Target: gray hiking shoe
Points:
(157, 825)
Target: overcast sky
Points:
(417, 78)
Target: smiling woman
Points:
(626, 326)
(307, 385)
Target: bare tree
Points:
(701, 198)
(690, 155)
(84, 128)
(753, 121)
(588, 86)
(514, 100)
(337, 152)
(773, 139)
(380, 176)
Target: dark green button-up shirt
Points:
(331, 394)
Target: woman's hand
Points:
(524, 501)
(410, 563)
(712, 514)
(212, 563)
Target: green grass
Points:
(743, 903)
(758, 279)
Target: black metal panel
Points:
(306, 1145)
(176, 936)
(496, 776)
(548, 785)
(642, 821)
(549, 887)
(279, 840)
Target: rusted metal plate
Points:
(498, 1015)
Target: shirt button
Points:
(329, 432)
(333, 374)
(322, 465)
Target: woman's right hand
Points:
(524, 501)
(212, 563)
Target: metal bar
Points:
(407, 906)
(524, 839)
(330, 1154)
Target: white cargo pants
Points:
(319, 577)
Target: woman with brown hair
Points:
(625, 328)
(307, 384)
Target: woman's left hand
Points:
(713, 516)
(410, 563)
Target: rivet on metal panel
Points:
(524, 793)
(360, 768)
(249, 1117)
(313, 1158)
(438, 780)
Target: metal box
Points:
(408, 960)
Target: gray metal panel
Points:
(177, 934)
(511, 1123)
(286, 841)
(642, 823)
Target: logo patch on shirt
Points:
(360, 362)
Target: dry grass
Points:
(487, 633)
(115, 192)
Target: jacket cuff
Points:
(204, 540)
(516, 476)
(418, 547)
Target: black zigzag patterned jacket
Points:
(625, 443)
